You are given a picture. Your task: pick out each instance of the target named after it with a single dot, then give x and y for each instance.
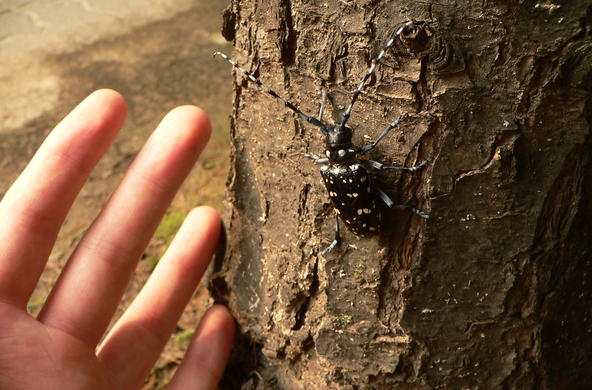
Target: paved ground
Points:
(55, 52)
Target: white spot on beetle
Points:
(366, 211)
(372, 229)
(341, 152)
(355, 194)
(362, 179)
(360, 211)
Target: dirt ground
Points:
(57, 52)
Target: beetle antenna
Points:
(371, 70)
(312, 120)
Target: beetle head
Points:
(338, 137)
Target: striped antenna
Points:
(270, 91)
(375, 62)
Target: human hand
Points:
(58, 350)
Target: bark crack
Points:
(499, 147)
(289, 35)
(300, 317)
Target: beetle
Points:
(345, 175)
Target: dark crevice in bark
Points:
(565, 312)
(303, 200)
(502, 151)
(503, 146)
(229, 23)
(289, 43)
(557, 213)
(544, 272)
(306, 298)
(386, 288)
(243, 364)
(587, 21)
(420, 90)
(308, 344)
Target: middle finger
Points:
(96, 275)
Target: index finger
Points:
(34, 208)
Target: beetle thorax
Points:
(338, 143)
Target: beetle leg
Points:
(322, 108)
(413, 210)
(390, 127)
(380, 166)
(337, 239)
(384, 197)
(391, 205)
(317, 159)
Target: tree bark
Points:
(495, 289)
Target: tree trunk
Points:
(495, 289)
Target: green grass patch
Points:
(169, 225)
(183, 337)
(35, 303)
(151, 260)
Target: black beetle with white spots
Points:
(345, 175)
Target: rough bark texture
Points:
(495, 290)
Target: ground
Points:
(158, 56)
